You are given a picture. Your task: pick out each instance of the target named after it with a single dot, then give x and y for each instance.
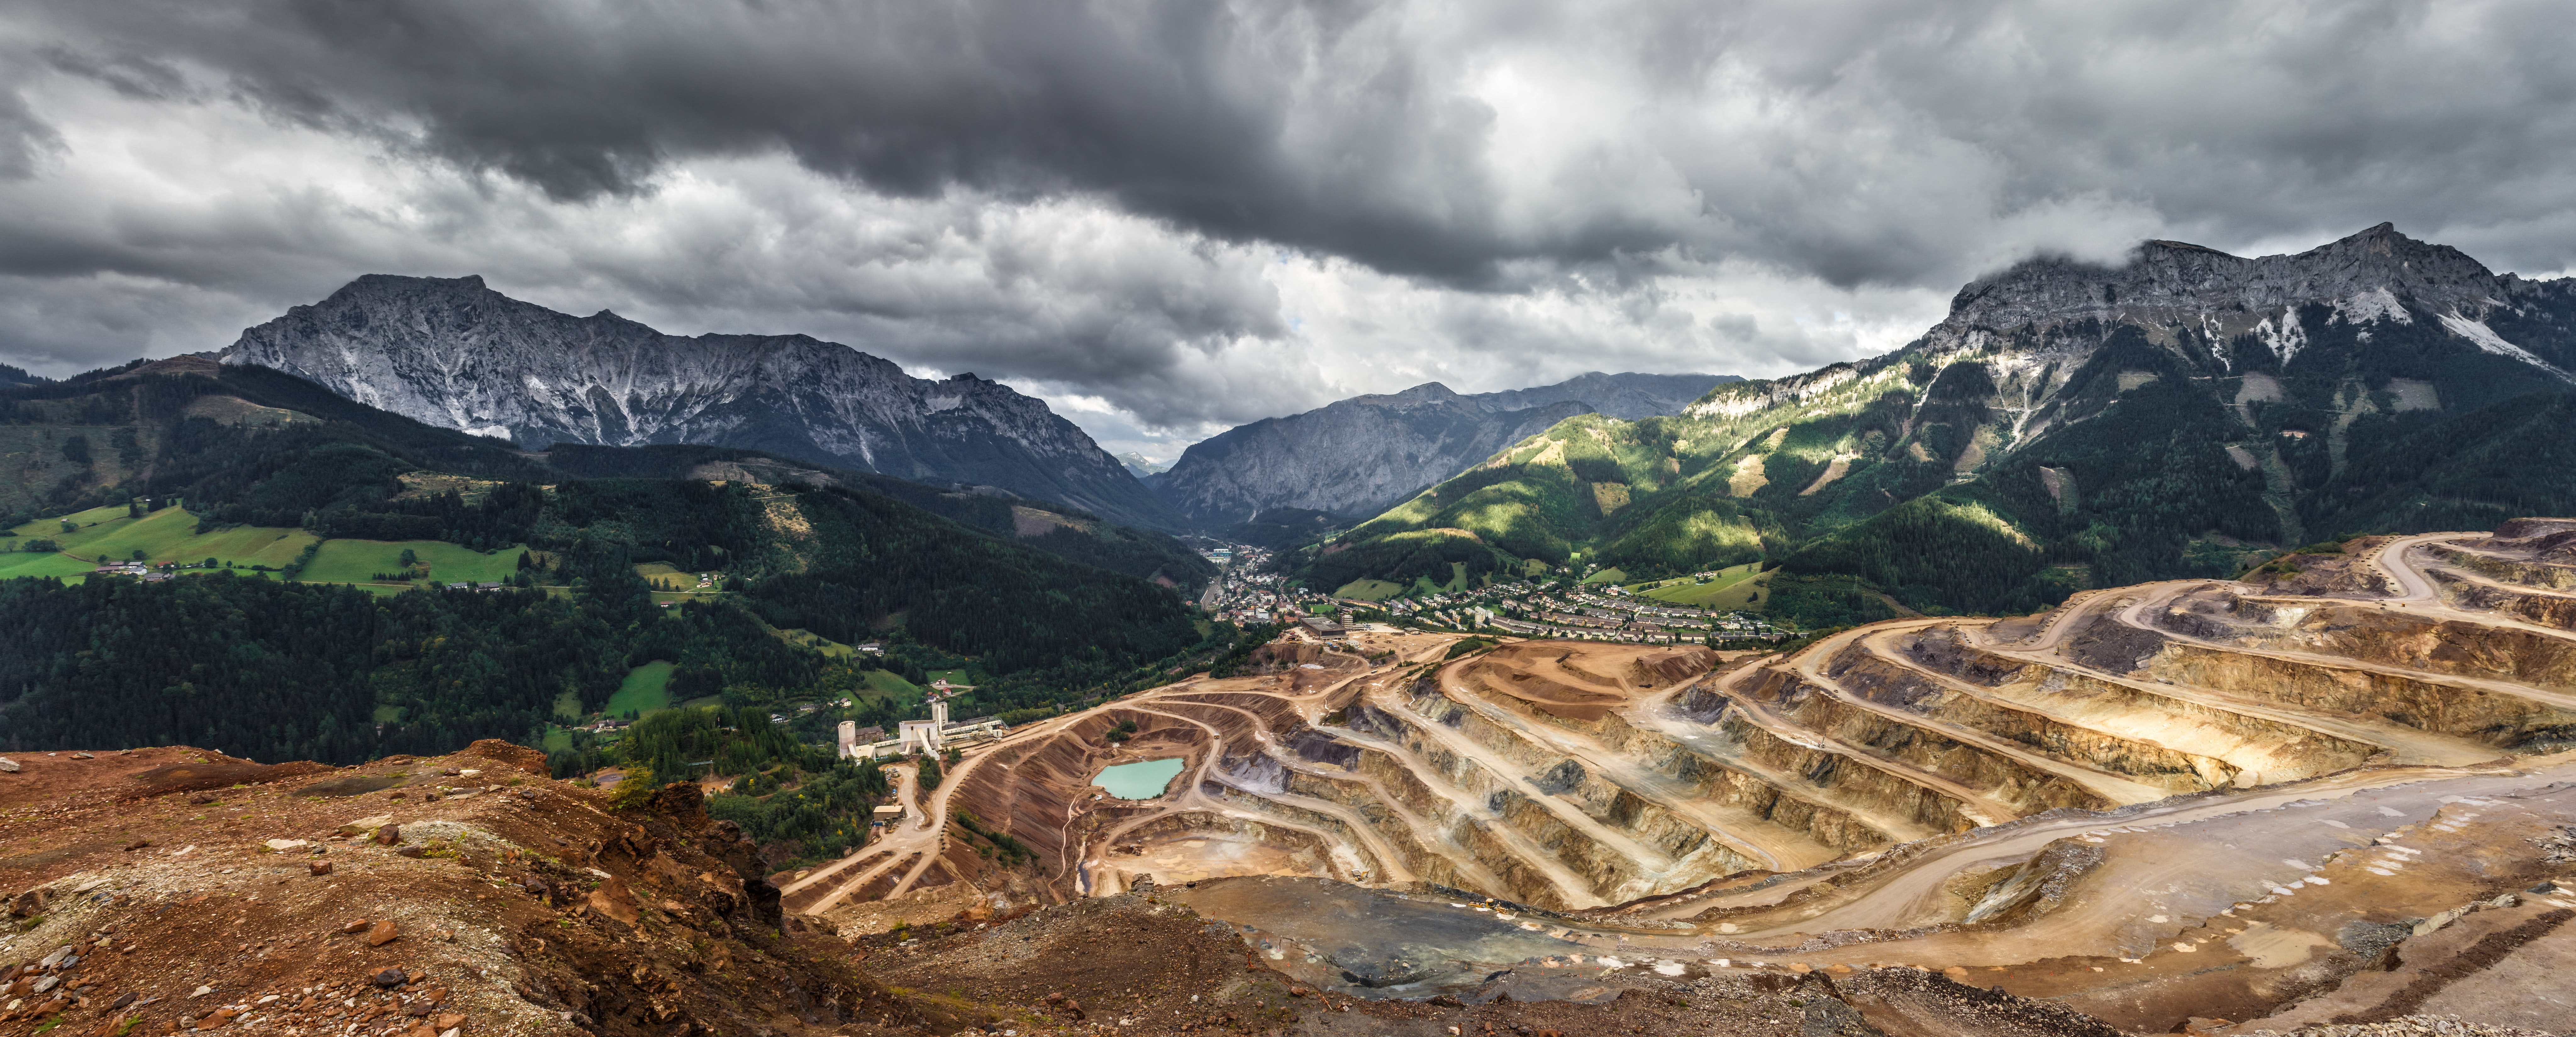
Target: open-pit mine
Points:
(2305, 797)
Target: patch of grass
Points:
(557, 739)
(358, 561)
(646, 690)
(568, 705)
(1749, 595)
(1369, 590)
(681, 583)
(951, 676)
(887, 682)
(1685, 592)
(71, 567)
(388, 714)
(819, 643)
(167, 535)
(1610, 575)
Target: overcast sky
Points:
(1167, 218)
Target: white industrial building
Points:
(935, 735)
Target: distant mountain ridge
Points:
(2067, 424)
(1357, 456)
(2377, 274)
(455, 354)
(1142, 467)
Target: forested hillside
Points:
(2069, 426)
(1037, 603)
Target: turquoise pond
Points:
(1138, 780)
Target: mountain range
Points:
(455, 354)
(2068, 424)
(1357, 456)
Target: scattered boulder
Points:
(383, 933)
(612, 899)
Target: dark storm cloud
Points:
(1192, 212)
(1182, 109)
(1813, 135)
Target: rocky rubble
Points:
(467, 896)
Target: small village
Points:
(1248, 593)
(1565, 609)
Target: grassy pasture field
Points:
(358, 561)
(1369, 590)
(887, 682)
(818, 642)
(1735, 595)
(167, 535)
(1684, 592)
(647, 689)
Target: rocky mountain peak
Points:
(2168, 282)
(453, 353)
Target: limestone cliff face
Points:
(1361, 455)
(453, 353)
(2364, 277)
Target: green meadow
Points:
(888, 682)
(167, 535)
(1685, 592)
(1369, 590)
(358, 561)
(647, 689)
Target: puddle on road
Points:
(1381, 944)
(1144, 780)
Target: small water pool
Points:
(1143, 780)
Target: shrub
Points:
(635, 791)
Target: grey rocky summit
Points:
(456, 354)
(1358, 456)
(2375, 275)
